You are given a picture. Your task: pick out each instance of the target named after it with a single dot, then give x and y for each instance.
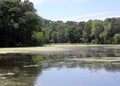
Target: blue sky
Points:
(77, 10)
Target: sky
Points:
(77, 10)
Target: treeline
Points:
(92, 31)
(21, 26)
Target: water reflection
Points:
(95, 51)
(54, 70)
(13, 71)
(77, 77)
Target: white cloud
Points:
(86, 17)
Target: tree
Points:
(71, 34)
(86, 32)
(107, 33)
(29, 23)
(97, 29)
(38, 38)
(116, 38)
(111, 27)
(17, 23)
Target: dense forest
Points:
(92, 31)
(20, 25)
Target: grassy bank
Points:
(30, 50)
(56, 48)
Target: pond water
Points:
(77, 77)
(57, 70)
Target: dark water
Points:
(57, 70)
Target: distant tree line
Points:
(92, 31)
(21, 26)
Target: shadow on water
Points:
(23, 69)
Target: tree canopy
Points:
(18, 22)
(21, 26)
(92, 31)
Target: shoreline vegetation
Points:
(73, 50)
(20, 25)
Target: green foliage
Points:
(86, 33)
(97, 28)
(92, 31)
(39, 38)
(21, 26)
(18, 21)
(117, 38)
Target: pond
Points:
(59, 70)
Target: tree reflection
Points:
(22, 69)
